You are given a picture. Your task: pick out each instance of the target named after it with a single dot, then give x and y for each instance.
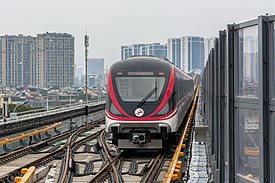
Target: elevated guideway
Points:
(232, 140)
(33, 120)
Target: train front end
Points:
(140, 108)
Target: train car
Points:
(146, 103)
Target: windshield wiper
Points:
(147, 96)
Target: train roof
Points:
(142, 63)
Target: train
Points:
(146, 102)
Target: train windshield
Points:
(134, 89)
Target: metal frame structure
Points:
(228, 104)
(271, 61)
(221, 108)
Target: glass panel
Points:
(247, 144)
(272, 137)
(137, 88)
(226, 125)
(248, 62)
(273, 52)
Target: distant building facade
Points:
(79, 74)
(18, 60)
(95, 66)
(126, 52)
(95, 71)
(92, 80)
(46, 60)
(209, 43)
(174, 51)
(155, 49)
(132, 50)
(56, 58)
(192, 53)
(187, 52)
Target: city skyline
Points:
(185, 52)
(46, 60)
(109, 28)
(153, 49)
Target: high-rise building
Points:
(126, 52)
(136, 48)
(192, 53)
(130, 50)
(155, 49)
(55, 59)
(143, 50)
(209, 43)
(46, 60)
(174, 51)
(95, 66)
(17, 60)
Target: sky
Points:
(112, 23)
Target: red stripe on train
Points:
(157, 118)
(165, 99)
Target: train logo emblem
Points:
(139, 112)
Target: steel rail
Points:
(64, 168)
(173, 172)
(35, 163)
(154, 167)
(44, 159)
(42, 144)
(71, 146)
(26, 150)
(103, 172)
(103, 143)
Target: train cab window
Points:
(134, 89)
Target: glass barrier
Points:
(248, 76)
(247, 144)
(273, 60)
(272, 142)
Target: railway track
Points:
(32, 148)
(88, 157)
(141, 165)
(41, 153)
(66, 172)
(102, 166)
(133, 166)
(98, 165)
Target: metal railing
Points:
(23, 136)
(51, 112)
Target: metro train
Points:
(147, 100)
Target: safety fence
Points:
(238, 87)
(62, 109)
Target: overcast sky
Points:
(112, 23)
